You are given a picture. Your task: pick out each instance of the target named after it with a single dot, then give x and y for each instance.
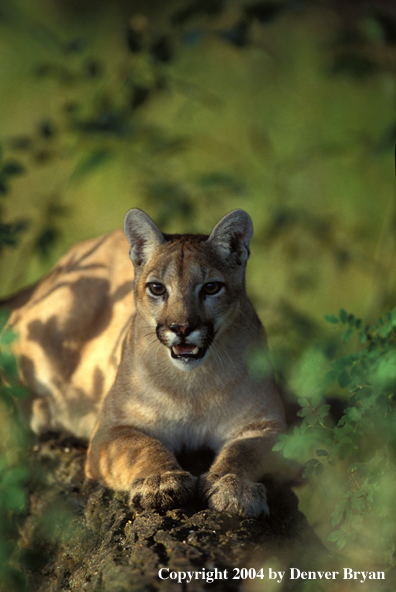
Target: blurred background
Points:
(189, 109)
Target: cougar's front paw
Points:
(230, 493)
(172, 489)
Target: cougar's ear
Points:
(143, 235)
(231, 236)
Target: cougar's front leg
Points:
(231, 483)
(127, 459)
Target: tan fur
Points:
(96, 344)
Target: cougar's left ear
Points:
(232, 235)
(143, 235)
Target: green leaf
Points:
(344, 379)
(7, 337)
(46, 240)
(358, 504)
(312, 419)
(343, 438)
(303, 402)
(303, 426)
(309, 468)
(3, 186)
(321, 452)
(4, 314)
(8, 364)
(343, 316)
(342, 541)
(15, 476)
(331, 318)
(12, 168)
(316, 401)
(351, 320)
(353, 413)
(347, 335)
(335, 536)
(338, 513)
(363, 337)
(14, 498)
(331, 376)
(8, 233)
(323, 411)
(17, 391)
(304, 412)
(282, 441)
(319, 469)
(340, 364)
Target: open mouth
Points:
(186, 352)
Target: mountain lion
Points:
(151, 365)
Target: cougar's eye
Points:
(156, 288)
(211, 288)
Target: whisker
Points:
(223, 351)
(218, 356)
(247, 320)
(151, 334)
(152, 344)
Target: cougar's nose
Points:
(181, 330)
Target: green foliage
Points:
(47, 232)
(9, 232)
(362, 443)
(14, 471)
(7, 171)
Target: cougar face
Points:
(186, 297)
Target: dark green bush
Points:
(358, 451)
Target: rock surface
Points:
(79, 536)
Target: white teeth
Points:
(194, 352)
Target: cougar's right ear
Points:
(143, 235)
(231, 236)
